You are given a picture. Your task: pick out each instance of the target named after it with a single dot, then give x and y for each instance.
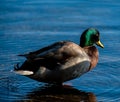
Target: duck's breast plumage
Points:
(93, 54)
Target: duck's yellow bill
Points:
(99, 44)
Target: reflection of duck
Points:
(60, 93)
(62, 61)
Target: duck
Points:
(63, 60)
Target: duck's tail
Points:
(21, 71)
(28, 56)
(24, 55)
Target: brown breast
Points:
(93, 55)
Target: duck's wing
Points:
(59, 51)
(43, 51)
(59, 54)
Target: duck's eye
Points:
(95, 37)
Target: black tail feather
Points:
(21, 55)
(16, 66)
(28, 56)
(24, 55)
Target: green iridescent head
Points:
(90, 37)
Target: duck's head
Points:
(90, 37)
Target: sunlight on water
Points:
(28, 25)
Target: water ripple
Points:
(28, 25)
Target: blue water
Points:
(27, 25)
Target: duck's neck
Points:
(93, 54)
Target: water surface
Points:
(28, 25)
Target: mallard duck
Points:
(62, 61)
